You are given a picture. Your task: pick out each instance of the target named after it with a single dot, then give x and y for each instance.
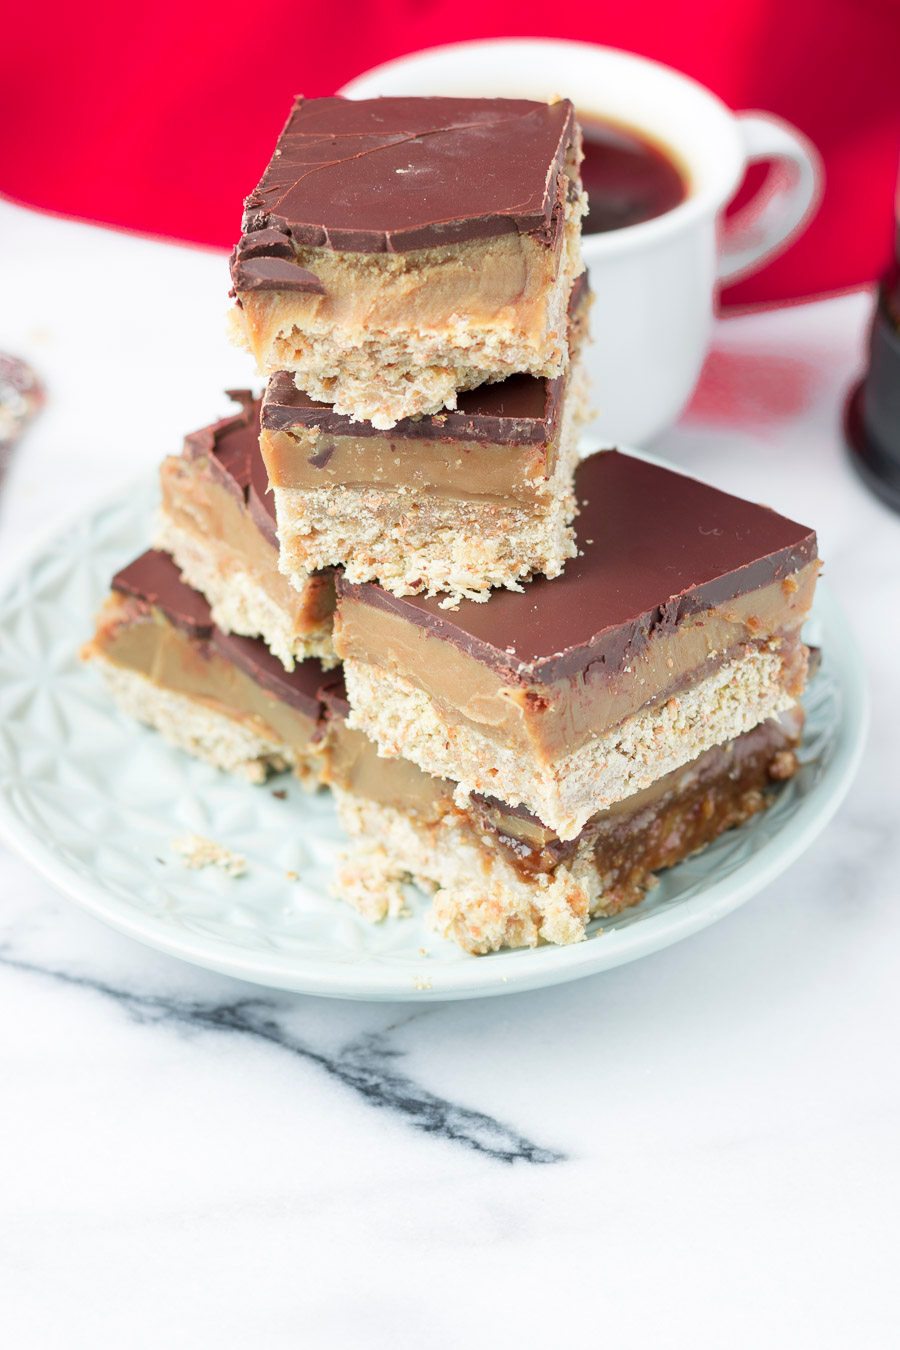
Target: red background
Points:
(161, 118)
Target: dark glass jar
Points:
(873, 410)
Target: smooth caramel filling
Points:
(310, 458)
(354, 764)
(498, 283)
(140, 638)
(480, 278)
(547, 721)
(198, 503)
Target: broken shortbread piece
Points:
(196, 851)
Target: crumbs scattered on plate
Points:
(196, 851)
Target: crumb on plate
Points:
(196, 851)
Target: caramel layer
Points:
(354, 764)
(465, 470)
(496, 283)
(548, 720)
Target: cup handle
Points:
(784, 204)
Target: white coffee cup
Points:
(655, 282)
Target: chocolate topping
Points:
(322, 457)
(232, 447)
(333, 694)
(654, 547)
(265, 244)
(270, 274)
(521, 410)
(297, 687)
(154, 578)
(579, 295)
(388, 175)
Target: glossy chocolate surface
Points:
(392, 174)
(154, 579)
(655, 547)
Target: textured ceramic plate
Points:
(94, 802)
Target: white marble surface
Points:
(697, 1150)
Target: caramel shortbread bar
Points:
(677, 628)
(217, 520)
(499, 877)
(219, 696)
(399, 250)
(456, 503)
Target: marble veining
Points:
(369, 1065)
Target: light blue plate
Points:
(94, 803)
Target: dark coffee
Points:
(627, 177)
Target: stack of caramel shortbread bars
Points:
(370, 575)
